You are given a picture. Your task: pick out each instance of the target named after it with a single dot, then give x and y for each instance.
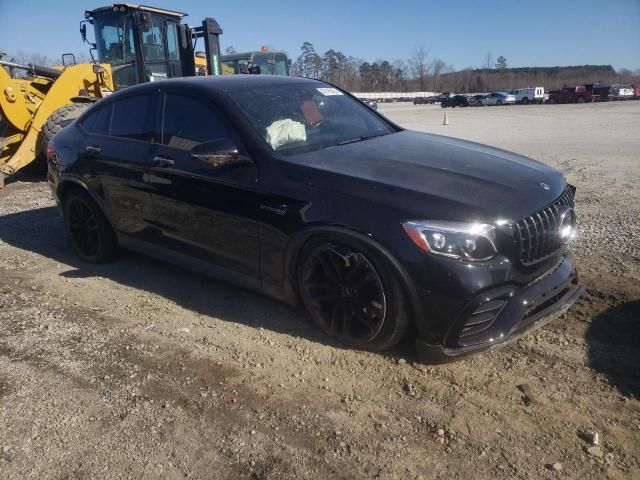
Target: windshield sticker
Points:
(329, 91)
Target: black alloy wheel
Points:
(91, 235)
(345, 294)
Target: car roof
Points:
(236, 82)
(217, 83)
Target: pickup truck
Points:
(578, 94)
(529, 95)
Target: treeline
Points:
(422, 72)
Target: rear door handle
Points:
(163, 162)
(93, 149)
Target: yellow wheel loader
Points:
(133, 44)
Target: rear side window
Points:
(98, 121)
(132, 118)
(188, 122)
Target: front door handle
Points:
(93, 149)
(163, 162)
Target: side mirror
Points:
(219, 153)
(83, 31)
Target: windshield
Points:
(115, 45)
(265, 62)
(114, 38)
(301, 117)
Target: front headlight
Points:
(467, 241)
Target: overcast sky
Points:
(527, 33)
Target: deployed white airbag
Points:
(283, 132)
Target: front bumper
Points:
(499, 316)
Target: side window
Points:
(172, 41)
(132, 118)
(98, 121)
(188, 122)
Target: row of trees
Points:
(422, 72)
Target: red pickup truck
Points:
(579, 94)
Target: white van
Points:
(530, 95)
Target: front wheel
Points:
(499, 102)
(353, 294)
(89, 231)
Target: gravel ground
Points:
(142, 370)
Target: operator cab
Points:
(142, 44)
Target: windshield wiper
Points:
(360, 139)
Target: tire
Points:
(88, 230)
(352, 293)
(553, 101)
(443, 105)
(580, 100)
(499, 102)
(478, 104)
(525, 101)
(60, 119)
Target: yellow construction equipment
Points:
(133, 44)
(27, 103)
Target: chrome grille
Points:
(537, 236)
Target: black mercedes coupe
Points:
(294, 188)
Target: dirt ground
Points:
(141, 370)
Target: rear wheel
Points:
(60, 119)
(525, 101)
(89, 231)
(353, 294)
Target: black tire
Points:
(525, 101)
(499, 102)
(60, 119)
(553, 101)
(580, 100)
(88, 230)
(352, 293)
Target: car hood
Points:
(432, 176)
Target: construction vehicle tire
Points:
(59, 119)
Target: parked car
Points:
(497, 98)
(455, 101)
(294, 188)
(445, 96)
(476, 100)
(621, 92)
(578, 94)
(529, 95)
(424, 100)
(371, 104)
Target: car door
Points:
(203, 211)
(118, 149)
